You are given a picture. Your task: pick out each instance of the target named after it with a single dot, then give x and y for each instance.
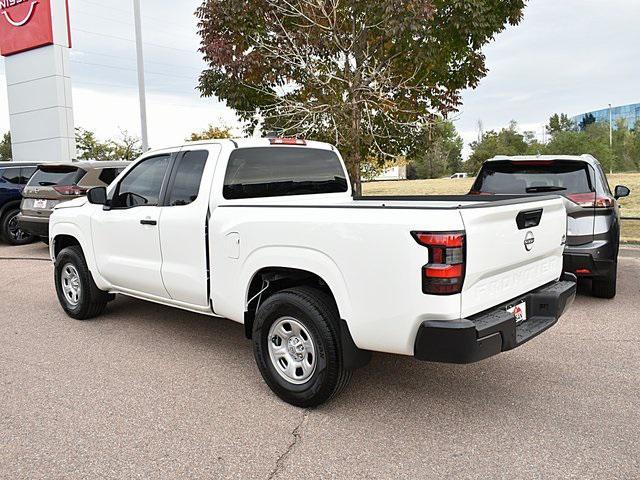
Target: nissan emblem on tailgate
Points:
(528, 241)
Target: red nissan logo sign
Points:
(24, 25)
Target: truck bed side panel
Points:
(367, 257)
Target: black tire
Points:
(91, 301)
(8, 231)
(45, 240)
(605, 287)
(317, 313)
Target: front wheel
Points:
(11, 232)
(77, 292)
(296, 346)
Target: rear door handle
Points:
(148, 222)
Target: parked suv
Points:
(52, 184)
(593, 226)
(13, 177)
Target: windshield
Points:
(55, 175)
(521, 177)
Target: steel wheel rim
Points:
(292, 350)
(70, 283)
(15, 232)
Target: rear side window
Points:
(108, 175)
(521, 177)
(25, 174)
(10, 175)
(142, 185)
(49, 176)
(187, 178)
(278, 171)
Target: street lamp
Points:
(141, 88)
(610, 138)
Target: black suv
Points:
(13, 178)
(593, 223)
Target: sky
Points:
(568, 56)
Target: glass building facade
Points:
(629, 113)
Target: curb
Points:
(27, 258)
(630, 251)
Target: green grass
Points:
(445, 186)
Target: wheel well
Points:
(268, 281)
(61, 242)
(273, 279)
(9, 207)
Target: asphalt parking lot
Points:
(146, 391)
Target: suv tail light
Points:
(287, 141)
(444, 274)
(591, 200)
(70, 190)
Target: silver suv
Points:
(52, 184)
(593, 223)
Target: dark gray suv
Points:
(593, 223)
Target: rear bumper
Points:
(595, 259)
(34, 225)
(472, 339)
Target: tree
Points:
(594, 140)
(635, 145)
(127, 147)
(364, 75)
(437, 151)
(88, 147)
(587, 120)
(507, 141)
(559, 123)
(5, 147)
(211, 133)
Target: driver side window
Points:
(142, 185)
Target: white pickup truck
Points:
(266, 232)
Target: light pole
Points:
(141, 88)
(610, 137)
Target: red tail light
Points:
(70, 190)
(444, 274)
(287, 141)
(591, 200)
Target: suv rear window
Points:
(522, 177)
(108, 175)
(279, 171)
(49, 176)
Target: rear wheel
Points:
(77, 292)
(11, 232)
(605, 287)
(296, 346)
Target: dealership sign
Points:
(35, 39)
(24, 25)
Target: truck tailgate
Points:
(504, 259)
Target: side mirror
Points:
(97, 196)
(621, 191)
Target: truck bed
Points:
(444, 201)
(410, 202)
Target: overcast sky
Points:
(566, 56)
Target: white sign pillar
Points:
(36, 41)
